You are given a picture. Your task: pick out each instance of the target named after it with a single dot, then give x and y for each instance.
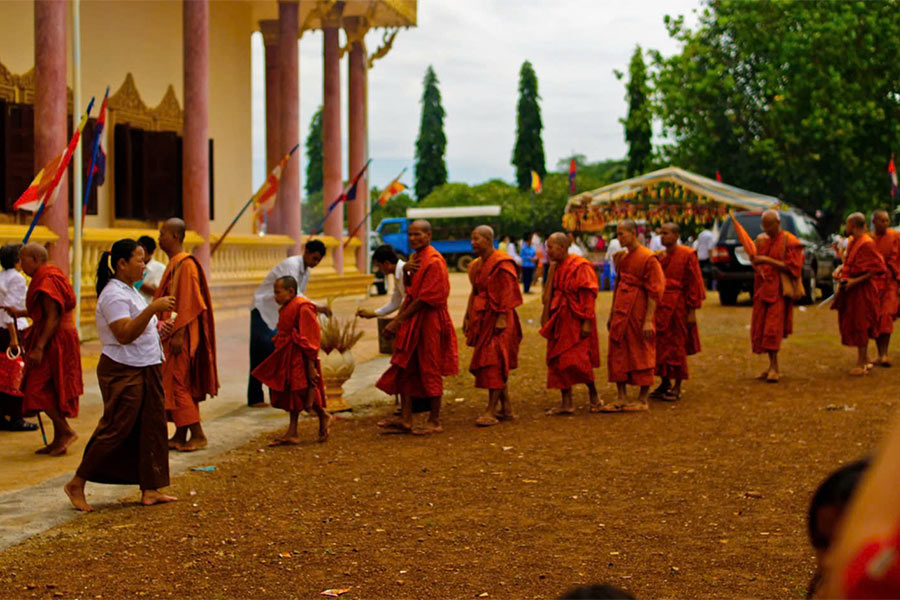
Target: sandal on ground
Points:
(392, 424)
(484, 421)
(595, 408)
(18, 425)
(428, 430)
(559, 412)
(505, 416)
(773, 377)
(659, 392)
(636, 407)
(858, 371)
(671, 396)
(612, 408)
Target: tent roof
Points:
(698, 184)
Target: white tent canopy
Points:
(697, 184)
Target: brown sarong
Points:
(129, 445)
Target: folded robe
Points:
(298, 340)
(495, 288)
(858, 312)
(675, 338)
(772, 316)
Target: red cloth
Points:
(858, 311)
(631, 357)
(571, 358)
(495, 289)
(298, 340)
(675, 338)
(874, 571)
(425, 346)
(888, 245)
(772, 317)
(56, 382)
(191, 375)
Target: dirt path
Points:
(655, 503)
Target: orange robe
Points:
(631, 356)
(772, 317)
(675, 338)
(572, 358)
(298, 340)
(190, 375)
(56, 382)
(858, 311)
(888, 245)
(495, 287)
(425, 346)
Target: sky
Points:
(476, 48)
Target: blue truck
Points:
(451, 230)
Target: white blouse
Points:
(120, 301)
(12, 293)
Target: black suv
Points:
(731, 268)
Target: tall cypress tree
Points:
(314, 154)
(638, 131)
(431, 170)
(528, 154)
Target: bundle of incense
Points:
(173, 316)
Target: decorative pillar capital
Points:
(269, 29)
(356, 29)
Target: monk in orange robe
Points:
(778, 253)
(887, 242)
(631, 357)
(425, 340)
(676, 317)
(52, 381)
(569, 322)
(857, 297)
(491, 324)
(189, 371)
(293, 372)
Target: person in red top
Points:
(52, 381)
(631, 358)
(491, 324)
(857, 297)
(569, 323)
(779, 254)
(425, 340)
(293, 372)
(887, 242)
(189, 371)
(676, 317)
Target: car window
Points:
(393, 227)
(752, 223)
(807, 231)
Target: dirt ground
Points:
(655, 503)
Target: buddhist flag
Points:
(718, 176)
(264, 198)
(45, 187)
(390, 191)
(536, 186)
(743, 236)
(892, 170)
(97, 168)
(573, 168)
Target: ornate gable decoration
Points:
(7, 84)
(126, 106)
(168, 115)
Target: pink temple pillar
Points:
(356, 101)
(332, 183)
(195, 143)
(50, 131)
(289, 121)
(269, 29)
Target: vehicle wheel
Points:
(463, 261)
(728, 293)
(811, 286)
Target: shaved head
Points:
(771, 215)
(176, 227)
(673, 227)
(857, 219)
(881, 213)
(881, 220)
(421, 224)
(35, 251)
(485, 231)
(628, 224)
(559, 238)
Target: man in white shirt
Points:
(614, 247)
(574, 246)
(387, 261)
(153, 269)
(706, 241)
(264, 313)
(656, 241)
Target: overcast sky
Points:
(477, 48)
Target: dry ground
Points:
(655, 503)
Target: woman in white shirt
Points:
(12, 293)
(129, 445)
(387, 261)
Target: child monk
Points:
(292, 371)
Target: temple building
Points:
(178, 131)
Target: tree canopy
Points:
(430, 168)
(528, 153)
(314, 154)
(638, 130)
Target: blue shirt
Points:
(528, 255)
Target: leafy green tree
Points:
(638, 124)
(312, 211)
(528, 153)
(430, 168)
(314, 155)
(800, 100)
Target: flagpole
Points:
(367, 249)
(337, 201)
(366, 219)
(76, 164)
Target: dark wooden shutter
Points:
(161, 185)
(124, 172)
(18, 150)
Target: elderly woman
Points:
(12, 293)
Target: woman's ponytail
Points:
(106, 269)
(104, 272)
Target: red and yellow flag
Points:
(390, 191)
(265, 196)
(536, 185)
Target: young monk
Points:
(569, 323)
(631, 324)
(52, 381)
(491, 324)
(189, 371)
(887, 242)
(676, 316)
(777, 252)
(425, 343)
(857, 297)
(292, 371)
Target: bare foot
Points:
(429, 429)
(45, 450)
(175, 442)
(75, 493)
(151, 497)
(486, 421)
(392, 424)
(192, 445)
(325, 431)
(613, 408)
(62, 444)
(636, 407)
(505, 416)
(559, 412)
(277, 441)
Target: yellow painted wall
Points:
(144, 37)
